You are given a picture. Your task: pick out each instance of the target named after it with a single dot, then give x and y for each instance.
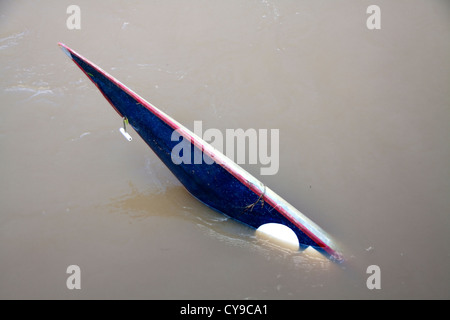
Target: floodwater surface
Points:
(363, 118)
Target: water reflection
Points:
(176, 202)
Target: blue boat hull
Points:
(224, 188)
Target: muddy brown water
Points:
(364, 147)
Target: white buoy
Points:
(125, 134)
(279, 234)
